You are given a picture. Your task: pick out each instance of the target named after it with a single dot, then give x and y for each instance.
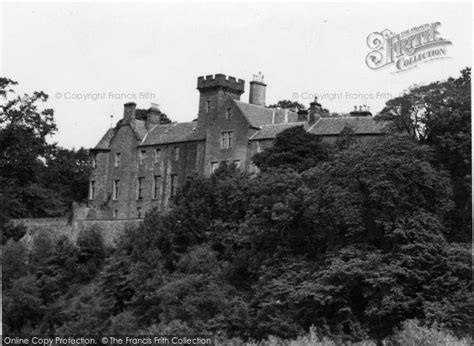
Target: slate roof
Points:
(138, 126)
(258, 116)
(272, 130)
(105, 140)
(170, 133)
(269, 121)
(360, 126)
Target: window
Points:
(117, 159)
(174, 185)
(116, 189)
(94, 160)
(176, 153)
(141, 157)
(92, 190)
(261, 146)
(140, 187)
(226, 140)
(156, 186)
(157, 155)
(236, 163)
(139, 212)
(214, 166)
(229, 113)
(208, 106)
(115, 213)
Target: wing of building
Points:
(139, 164)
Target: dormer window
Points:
(229, 113)
(208, 106)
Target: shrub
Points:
(11, 231)
(413, 333)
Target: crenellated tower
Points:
(214, 91)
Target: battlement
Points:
(221, 81)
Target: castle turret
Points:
(215, 90)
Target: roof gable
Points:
(104, 143)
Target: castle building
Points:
(140, 163)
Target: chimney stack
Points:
(361, 111)
(153, 116)
(129, 112)
(257, 90)
(314, 111)
(302, 115)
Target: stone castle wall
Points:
(72, 227)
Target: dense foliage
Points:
(352, 239)
(294, 148)
(37, 178)
(287, 104)
(439, 115)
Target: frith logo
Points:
(407, 49)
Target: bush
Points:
(13, 262)
(413, 333)
(11, 231)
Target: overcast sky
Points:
(154, 52)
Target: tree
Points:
(13, 262)
(11, 231)
(92, 253)
(287, 104)
(293, 148)
(362, 193)
(67, 171)
(37, 178)
(24, 130)
(439, 115)
(141, 114)
(22, 306)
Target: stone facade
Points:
(139, 164)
